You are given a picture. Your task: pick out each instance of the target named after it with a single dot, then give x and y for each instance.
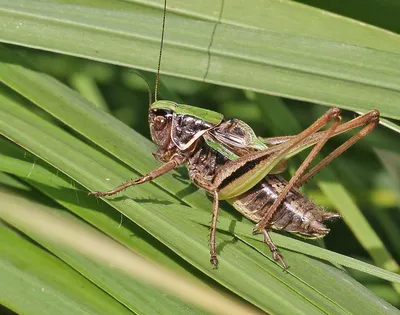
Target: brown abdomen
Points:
(296, 214)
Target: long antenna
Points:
(161, 48)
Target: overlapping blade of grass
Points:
(330, 287)
(137, 296)
(391, 125)
(20, 163)
(391, 161)
(85, 248)
(286, 17)
(302, 67)
(378, 13)
(87, 166)
(56, 185)
(34, 281)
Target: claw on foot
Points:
(97, 193)
(214, 262)
(274, 250)
(278, 257)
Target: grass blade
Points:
(280, 63)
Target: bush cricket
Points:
(226, 158)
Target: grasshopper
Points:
(226, 158)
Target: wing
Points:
(234, 138)
(235, 134)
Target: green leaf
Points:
(120, 272)
(391, 160)
(19, 163)
(36, 281)
(286, 17)
(319, 67)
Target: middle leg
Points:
(274, 250)
(214, 220)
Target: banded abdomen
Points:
(296, 214)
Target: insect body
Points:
(227, 159)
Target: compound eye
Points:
(160, 122)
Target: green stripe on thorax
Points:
(180, 109)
